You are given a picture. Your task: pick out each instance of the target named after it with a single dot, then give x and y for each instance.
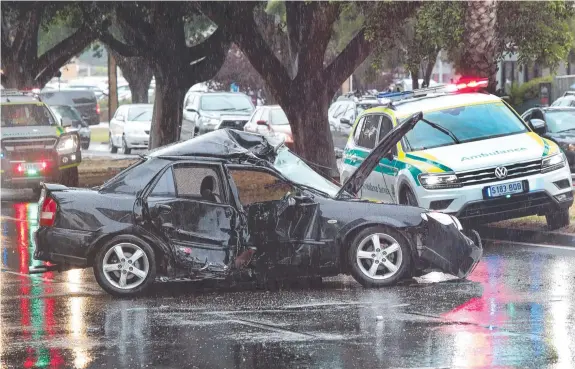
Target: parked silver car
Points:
(130, 127)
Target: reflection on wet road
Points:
(515, 311)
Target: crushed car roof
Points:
(222, 143)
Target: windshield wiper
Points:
(566, 130)
(442, 129)
(139, 115)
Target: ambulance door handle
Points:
(354, 158)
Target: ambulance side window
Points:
(385, 127)
(369, 132)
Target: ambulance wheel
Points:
(408, 197)
(69, 177)
(557, 219)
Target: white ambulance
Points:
(471, 156)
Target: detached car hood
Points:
(354, 183)
(563, 137)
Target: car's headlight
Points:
(209, 121)
(432, 181)
(282, 136)
(67, 144)
(554, 162)
(442, 218)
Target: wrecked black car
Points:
(233, 205)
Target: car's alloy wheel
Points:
(125, 266)
(378, 257)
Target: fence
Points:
(561, 84)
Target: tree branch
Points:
(26, 24)
(66, 49)
(318, 27)
(238, 20)
(347, 61)
(143, 32)
(118, 46)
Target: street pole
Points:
(112, 86)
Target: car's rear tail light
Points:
(48, 212)
(97, 108)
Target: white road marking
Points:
(551, 246)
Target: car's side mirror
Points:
(120, 118)
(538, 125)
(262, 123)
(345, 121)
(66, 122)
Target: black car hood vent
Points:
(222, 143)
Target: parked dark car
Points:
(78, 124)
(556, 124)
(235, 205)
(83, 100)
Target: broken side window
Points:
(198, 182)
(257, 186)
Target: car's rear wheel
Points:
(85, 145)
(113, 149)
(378, 256)
(557, 219)
(125, 266)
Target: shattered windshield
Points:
(297, 171)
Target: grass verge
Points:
(536, 223)
(99, 135)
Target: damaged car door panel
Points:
(230, 205)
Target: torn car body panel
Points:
(297, 224)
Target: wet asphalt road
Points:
(516, 310)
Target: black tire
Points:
(113, 149)
(69, 177)
(557, 219)
(125, 147)
(407, 197)
(85, 145)
(37, 191)
(361, 276)
(103, 280)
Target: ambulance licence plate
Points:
(505, 189)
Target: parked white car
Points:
(130, 127)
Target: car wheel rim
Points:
(125, 266)
(379, 256)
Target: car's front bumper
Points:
(137, 141)
(55, 164)
(468, 202)
(445, 246)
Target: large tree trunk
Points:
(478, 59)
(18, 76)
(168, 109)
(429, 68)
(414, 78)
(310, 129)
(138, 72)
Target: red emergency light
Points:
(469, 84)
